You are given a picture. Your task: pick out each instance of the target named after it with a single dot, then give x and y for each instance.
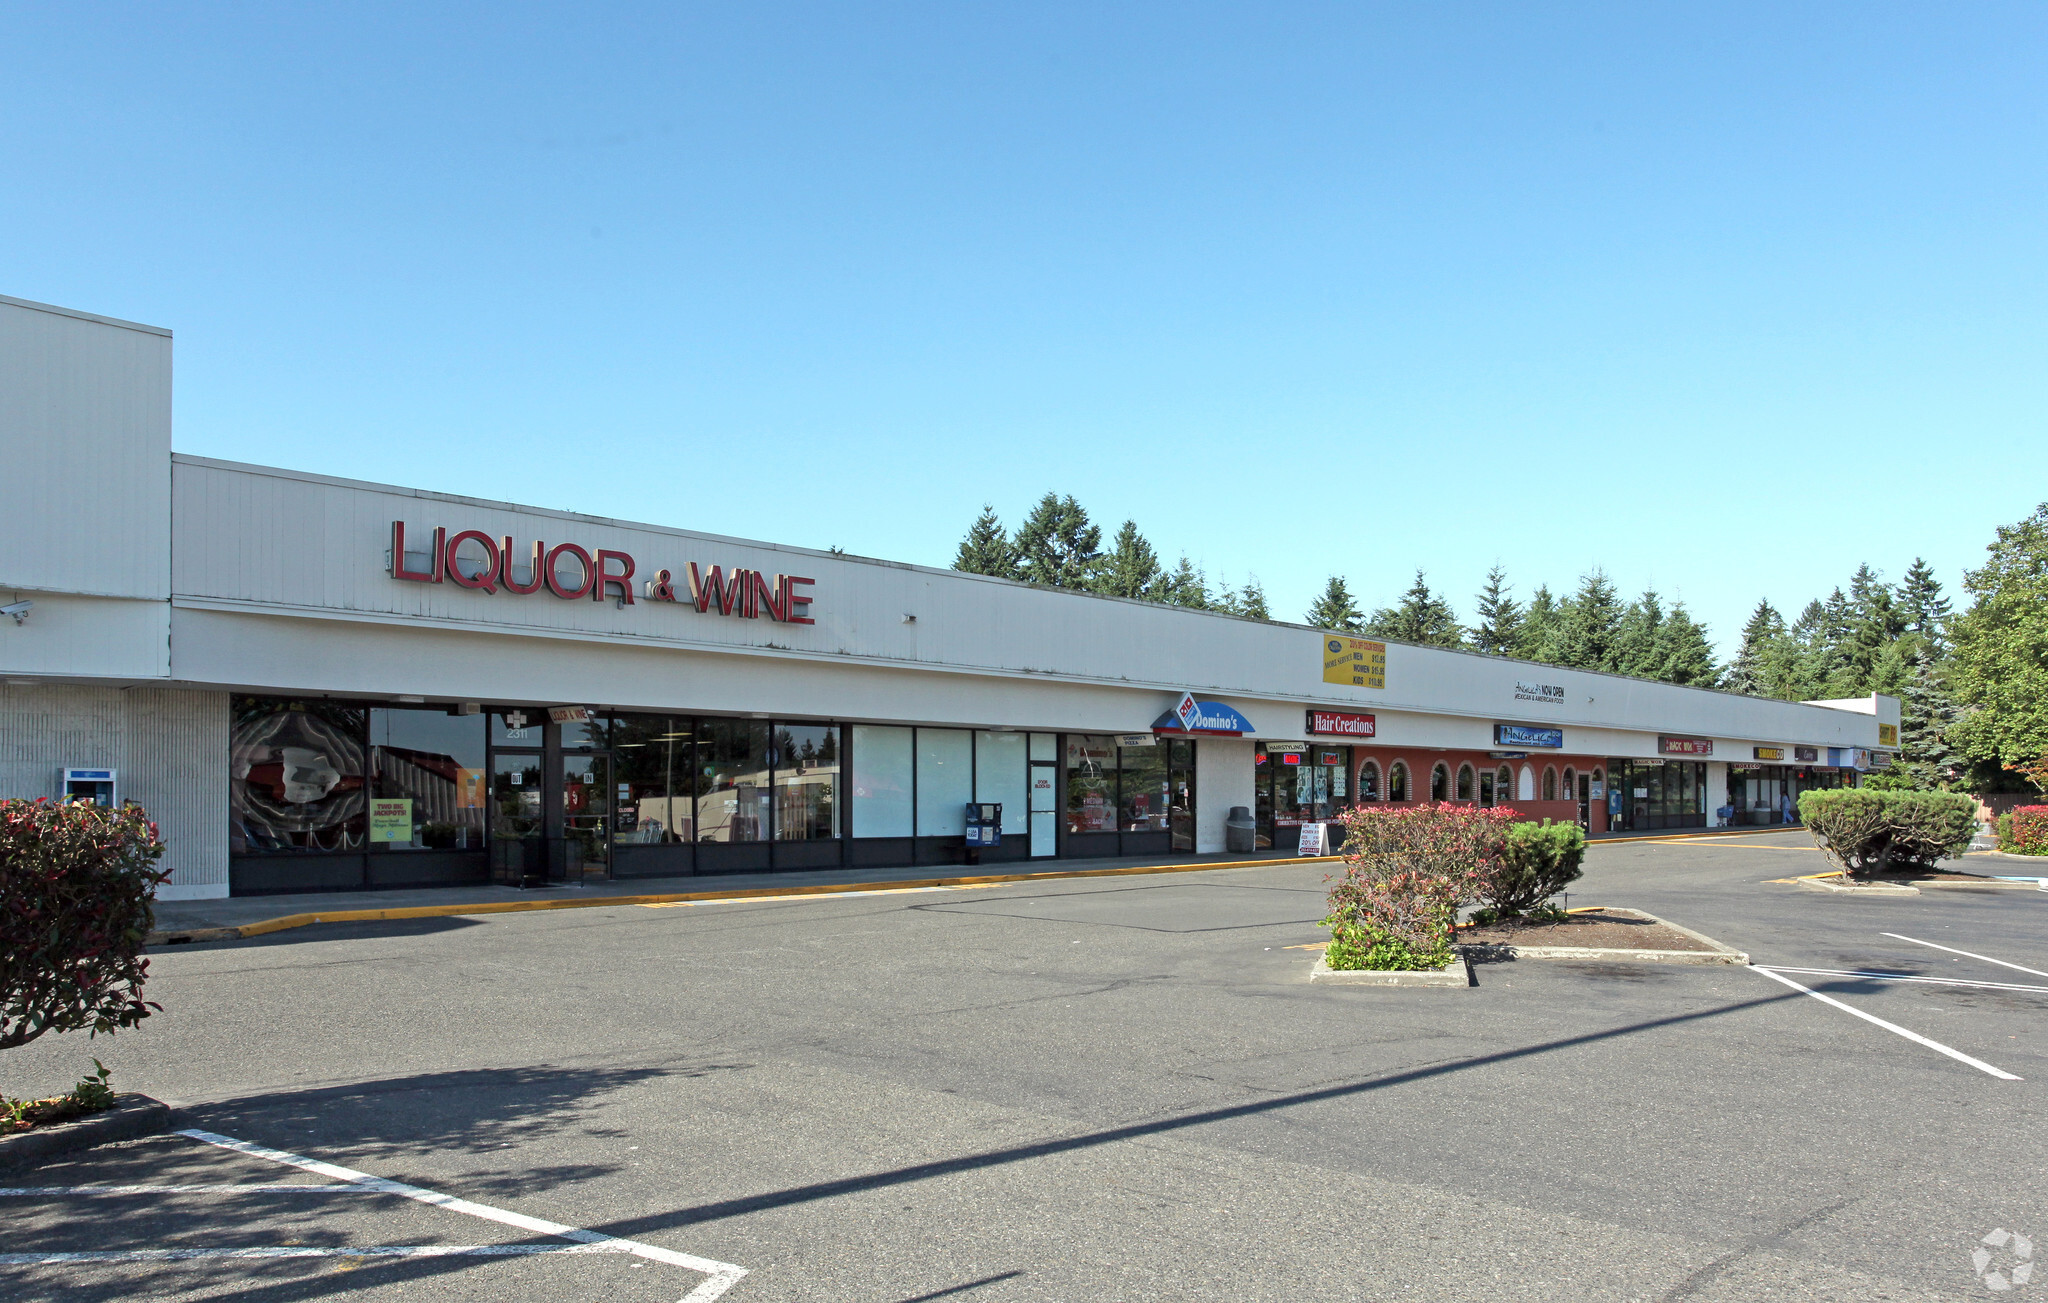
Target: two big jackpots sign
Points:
(491, 563)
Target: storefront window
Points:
(1091, 783)
(1397, 781)
(999, 776)
(517, 726)
(433, 762)
(806, 782)
(1144, 797)
(945, 781)
(1439, 783)
(1650, 794)
(1549, 783)
(655, 769)
(1486, 785)
(1368, 781)
(732, 761)
(296, 776)
(1464, 782)
(882, 777)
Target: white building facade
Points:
(315, 683)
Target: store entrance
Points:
(518, 821)
(586, 837)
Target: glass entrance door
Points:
(1045, 808)
(518, 819)
(1180, 786)
(586, 816)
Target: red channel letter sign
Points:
(570, 571)
(1341, 723)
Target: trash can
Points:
(1240, 834)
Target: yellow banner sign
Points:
(1887, 735)
(1356, 662)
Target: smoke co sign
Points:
(473, 559)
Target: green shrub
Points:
(2005, 831)
(1539, 860)
(1873, 832)
(76, 885)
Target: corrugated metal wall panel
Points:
(177, 754)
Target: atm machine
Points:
(94, 785)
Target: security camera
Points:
(19, 610)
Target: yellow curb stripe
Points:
(288, 921)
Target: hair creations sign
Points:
(1342, 723)
(489, 563)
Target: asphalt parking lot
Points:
(1092, 1089)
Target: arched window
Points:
(1368, 781)
(1464, 782)
(1571, 783)
(1439, 784)
(1501, 779)
(1525, 784)
(1397, 781)
(1550, 783)
(1597, 779)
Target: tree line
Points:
(1973, 686)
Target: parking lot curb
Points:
(1457, 973)
(132, 1116)
(263, 927)
(1828, 882)
(1720, 954)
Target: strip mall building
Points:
(321, 684)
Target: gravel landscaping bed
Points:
(1604, 929)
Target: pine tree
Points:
(1922, 607)
(1182, 586)
(1499, 630)
(1589, 625)
(987, 550)
(1750, 673)
(1999, 664)
(1538, 638)
(1637, 636)
(1422, 618)
(1130, 568)
(1249, 601)
(1057, 545)
(1685, 654)
(1334, 609)
(1926, 713)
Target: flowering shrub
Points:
(2025, 830)
(1407, 869)
(76, 884)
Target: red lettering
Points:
(606, 579)
(760, 595)
(554, 581)
(536, 570)
(399, 570)
(487, 578)
(791, 599)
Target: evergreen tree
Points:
(1590, 624)
(1183, 586)
(1923, 609)
(1057, 545)
(987, 550)
(1685, 654)
(1537, 640)
(1750, 672)
(1335, 609)
(1499, 630)
(1249, 601)
(1422, 618)
(1130, 568)
(1926, 714)
(1638, 638)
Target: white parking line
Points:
(722, 1275)
(224, 1187)
(1901, 977)
(302, 1251)
(1894, 1028)
(1969, 954)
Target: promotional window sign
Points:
(391, 821)
(1311, 840)
(1329, 758)
(1341, 723)
(1526, 735)
(469, 789)
(1355, 662)
(1685, 746)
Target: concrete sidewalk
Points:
(241, 911)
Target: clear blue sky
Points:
(1725, 299)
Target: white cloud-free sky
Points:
(1723, 298)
